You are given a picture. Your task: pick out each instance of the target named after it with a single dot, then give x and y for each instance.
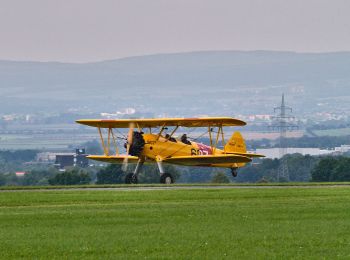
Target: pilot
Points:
(171, 139)
(184, 139)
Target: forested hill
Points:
(177, 75)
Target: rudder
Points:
(236, 144)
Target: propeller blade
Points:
(128, 145)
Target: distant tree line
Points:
(220, 177)
(113, 174)
(301, 169)
(322, 142)
(18, 155)
(74, 176)
(329, 124)
(331, 169)
(31, 178)
(12, 161)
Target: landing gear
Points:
(166, 178)
(131, 178)
(234, 172)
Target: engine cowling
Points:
(137, 145)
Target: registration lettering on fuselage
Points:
(202, 150)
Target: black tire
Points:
(130, 178)
(166, 178)
(234, 172)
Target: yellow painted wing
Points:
(207, 160)
(113, 159)
(146, 123)
(249, 155)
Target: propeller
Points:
(128, 145)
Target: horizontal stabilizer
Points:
(250, 155)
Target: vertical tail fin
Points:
(236, 144)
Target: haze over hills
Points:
(208, 82)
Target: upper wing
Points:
(113, 159)
(207, 160)
(146, 123)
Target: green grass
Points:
(97, 186)
(302, 223)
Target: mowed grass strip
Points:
(176, 185)
(181, 224)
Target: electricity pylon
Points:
(283, 122)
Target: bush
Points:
(71, 177)
(332, 169)
(220, 177)
(110, 175)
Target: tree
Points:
(323, 170)
(300, 167)
(220, 177)
(37, 177)
(70, 177)
(196, 174)
(265, 168)
(2, 180)
(93, 147)
(341, 170)
(18, 155)
(110, 175)
(150, 173)
(113, 173)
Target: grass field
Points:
(268, 223)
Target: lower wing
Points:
(113, 159)
(207, 160)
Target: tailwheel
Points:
(234, 172)
(166, 178)
(130, 178)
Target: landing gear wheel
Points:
(234, 172)
(130, 178)
(166, 178)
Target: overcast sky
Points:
(93, 30)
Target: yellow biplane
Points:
(148, 140)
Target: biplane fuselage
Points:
(161, 147)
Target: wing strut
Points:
(161, 131)
(115, 143)
(108, 141)
(102, 141)
(173, 132)
(110, 137)
(223, 139)
(217, 138)
(210, 138)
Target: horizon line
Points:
(173, 53)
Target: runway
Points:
(176, 187)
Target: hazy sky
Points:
(91, 30)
